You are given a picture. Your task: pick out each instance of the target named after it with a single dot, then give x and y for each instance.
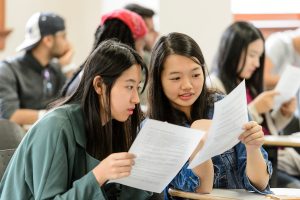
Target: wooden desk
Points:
(271, 144)
(282, 140)
(239, 194)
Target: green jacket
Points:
(52, 163)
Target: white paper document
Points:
(230, 114)
(161, 150)
(287, 85)
(287, 192)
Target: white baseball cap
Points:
(39, 25)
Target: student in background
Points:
(241, 56)
(282, 49)
(147, 15)
(178, 94)
(30, 81)
(60, 156)
(123, 25)
(150, 38)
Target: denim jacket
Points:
(229, 170)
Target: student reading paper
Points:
(241, 56)
(178, 94)
(76, 148)
(161, 150)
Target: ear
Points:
(97, 83)
(48, 40)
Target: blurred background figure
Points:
(240, 56)
(30, 81)
(147, 15)
(282, 49)
(123, 25)
(151, 37)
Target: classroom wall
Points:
(263, 6)
(203, 20)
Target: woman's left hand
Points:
(253, 136)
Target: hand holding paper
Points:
(287, 86)
(161, 150)
(264, 102)
(230, 114)
(114, 166)
(253, 136)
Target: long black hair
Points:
(109, 60)
(234, 43)
(114, 28)
(159, 107)
(111, 29)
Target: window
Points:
(282, 15)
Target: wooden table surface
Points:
(240, 194)
(282, 140)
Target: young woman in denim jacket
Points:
(178, 94)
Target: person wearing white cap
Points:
(30, 81)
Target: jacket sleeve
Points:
(242, 161)
(9, 100)
(49, 166)
(185, 180)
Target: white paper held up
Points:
(230, 114)
(161, 150)
(287, 86)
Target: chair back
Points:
(11, 135)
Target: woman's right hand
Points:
(264, 102)
(115, 166)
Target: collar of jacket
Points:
(75, 115)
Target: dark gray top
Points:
(24, 83)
